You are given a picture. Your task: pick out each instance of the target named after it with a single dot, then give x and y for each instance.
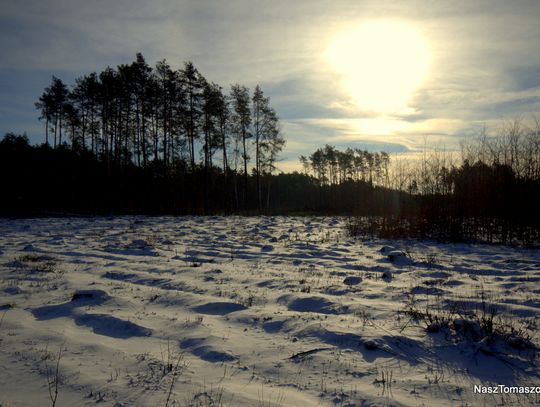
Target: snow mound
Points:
(209, 354)
(316, 304)
(352, 280)
(398, 257)
(219, 308)
(95, 296)
(107, 325)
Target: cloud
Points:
(485, 65)
(523, 78)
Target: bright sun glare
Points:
(380, 63)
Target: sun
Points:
(380, 64)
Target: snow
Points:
(259, 311)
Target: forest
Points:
(153, 140)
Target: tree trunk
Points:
(225, 169)
(245, 170)
(47, 128)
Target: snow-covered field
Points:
(260, 311)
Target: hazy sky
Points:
(484, 61)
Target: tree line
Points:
(472, 198)
(333, 167)
(168, 120)
(489, 191)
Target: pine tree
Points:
(267, 139)
(46, 107)
(193, 85)
(241, 120)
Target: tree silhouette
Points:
(240, 122)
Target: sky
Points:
(478, 64)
